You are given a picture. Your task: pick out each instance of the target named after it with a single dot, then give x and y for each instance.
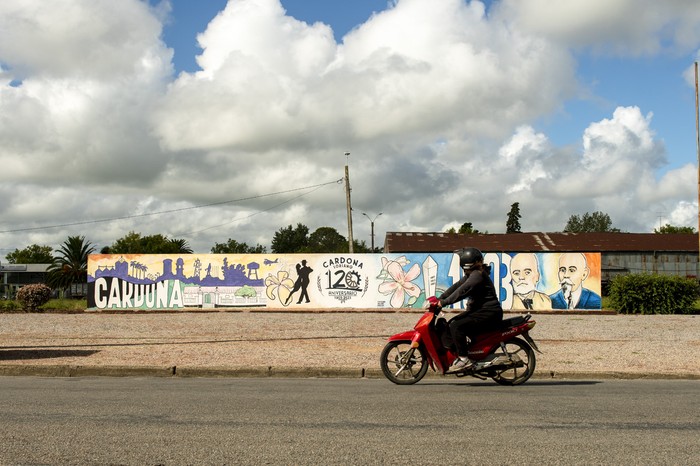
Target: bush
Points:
(653, 294)
(33, 296)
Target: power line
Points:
(88, 222)
(251, 215)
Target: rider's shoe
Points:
(461, 364)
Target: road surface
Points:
(134, 420)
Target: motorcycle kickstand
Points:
(505, 351)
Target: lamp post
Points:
(347, 201)
(371, 221)
(697, 142)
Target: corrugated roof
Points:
(541, 242)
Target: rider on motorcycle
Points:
(484, 311)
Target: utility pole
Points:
(697, 145)
(349, 205)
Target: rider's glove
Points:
(434, 302)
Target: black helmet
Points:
(468, 257)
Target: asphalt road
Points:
(346, 421)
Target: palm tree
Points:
(179, 246)
(70, 266)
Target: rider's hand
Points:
(434, 302)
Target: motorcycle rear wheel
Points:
(520, 351)
(402, 364)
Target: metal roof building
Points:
(14, 276)
(671, 254)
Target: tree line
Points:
(69, 265)
(595, 222)
(290, 240)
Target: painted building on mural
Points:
(523, 280)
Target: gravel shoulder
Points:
(321, 344)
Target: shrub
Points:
(653, 294)
(33, 296)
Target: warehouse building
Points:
(15, 276)
(621, 253)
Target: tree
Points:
(131, 243)
(326, 239)
(33, 254)
(513, 222)
(70, 266)
(668, 229)
(361, 247)
(597, 222)
(134, 243)
(179, 246)
(465, 229)
(290, 240)
(234, 247)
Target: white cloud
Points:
(524, 154)
(90, 39)
(684, 213)
(675, 184)
(625, 137)
(438, 103)
(90, 71)
(428, 69)
(259, 67)
(615, 172)
(610, 26)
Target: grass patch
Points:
(9, 305)
(54, 305)
(65, 305)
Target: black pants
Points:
(470, 324)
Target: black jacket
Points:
(478, 286)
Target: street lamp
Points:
(371, 221)
(348, 204)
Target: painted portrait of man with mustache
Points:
(525, 275)
(573, 271)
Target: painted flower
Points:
(384, 274)
(399, 283)
(279, 286)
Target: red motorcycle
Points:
(499, 354)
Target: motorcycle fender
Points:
(410, 335)
(530, 341)
(415, 339)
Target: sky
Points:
(213, 119)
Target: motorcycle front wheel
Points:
(521, 366)
(402, 364)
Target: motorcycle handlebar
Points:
(434, 309)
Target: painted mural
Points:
(538, 281)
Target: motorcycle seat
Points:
(514, 321)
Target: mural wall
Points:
(525, 280)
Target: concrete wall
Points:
(275, 281)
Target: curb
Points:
(330, 310)
(288, 372)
